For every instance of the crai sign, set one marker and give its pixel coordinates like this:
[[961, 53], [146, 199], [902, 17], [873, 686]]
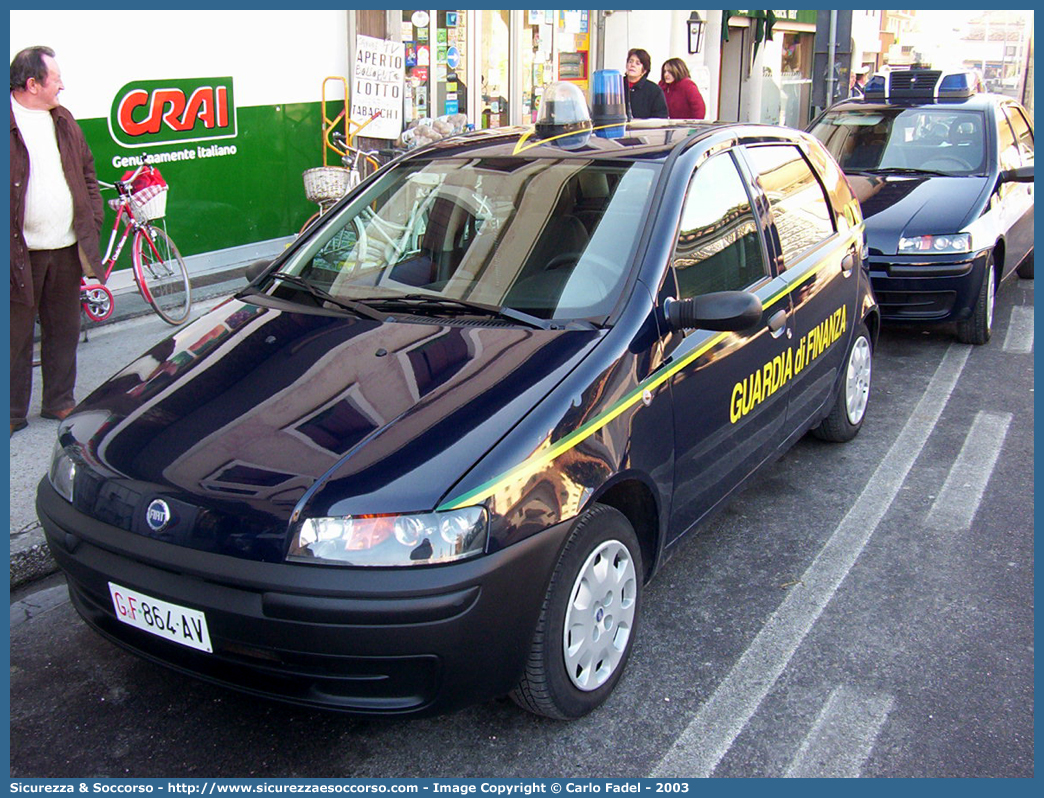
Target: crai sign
[[152, 113]]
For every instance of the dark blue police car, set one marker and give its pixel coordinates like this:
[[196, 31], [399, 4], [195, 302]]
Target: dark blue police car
[[434, 451], [944, 174]]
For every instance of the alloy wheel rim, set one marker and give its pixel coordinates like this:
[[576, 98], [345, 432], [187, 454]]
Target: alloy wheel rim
[[600, 616], [857, 381]]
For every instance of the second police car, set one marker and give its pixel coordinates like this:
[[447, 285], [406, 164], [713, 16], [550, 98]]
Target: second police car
[[435, 450], [944, 174]]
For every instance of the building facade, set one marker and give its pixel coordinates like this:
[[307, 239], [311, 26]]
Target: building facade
[[232, 105]]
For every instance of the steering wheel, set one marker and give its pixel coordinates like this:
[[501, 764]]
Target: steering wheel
[[595, 267], [946, 162], [561, 259]]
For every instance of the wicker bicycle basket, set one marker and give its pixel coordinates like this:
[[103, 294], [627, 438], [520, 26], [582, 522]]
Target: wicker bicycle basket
[[325, 183], [149, 203]]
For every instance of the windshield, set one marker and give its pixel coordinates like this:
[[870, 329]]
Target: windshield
[[551, 238], [935, 139]]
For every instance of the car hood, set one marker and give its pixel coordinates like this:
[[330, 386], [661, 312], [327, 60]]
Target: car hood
[[901, 205], [253, 412]]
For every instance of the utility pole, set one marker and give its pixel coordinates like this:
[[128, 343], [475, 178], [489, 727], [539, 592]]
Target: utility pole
[[832, 57]]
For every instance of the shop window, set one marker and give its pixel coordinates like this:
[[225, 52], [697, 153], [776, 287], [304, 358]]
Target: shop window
[[495, 67], [437, 58]]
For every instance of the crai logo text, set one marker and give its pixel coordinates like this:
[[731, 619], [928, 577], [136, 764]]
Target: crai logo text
[[158, 112]]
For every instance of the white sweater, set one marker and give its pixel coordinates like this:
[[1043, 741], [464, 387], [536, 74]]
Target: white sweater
[[48, 201]]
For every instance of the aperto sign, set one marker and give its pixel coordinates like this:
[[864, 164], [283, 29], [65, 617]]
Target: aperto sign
[[148, 113]]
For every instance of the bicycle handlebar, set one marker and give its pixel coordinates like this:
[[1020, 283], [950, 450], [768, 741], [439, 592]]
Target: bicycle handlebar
[[121, 185]]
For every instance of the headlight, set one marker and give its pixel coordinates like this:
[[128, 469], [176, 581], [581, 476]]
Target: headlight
[[961, 242], [63, 472], [391, 540]]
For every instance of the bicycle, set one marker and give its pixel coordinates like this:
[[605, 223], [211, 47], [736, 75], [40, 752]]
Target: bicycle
[[325, 185], [158, 268]]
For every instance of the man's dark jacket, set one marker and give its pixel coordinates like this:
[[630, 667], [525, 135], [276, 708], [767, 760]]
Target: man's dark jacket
[[645, 100], [88, 210]]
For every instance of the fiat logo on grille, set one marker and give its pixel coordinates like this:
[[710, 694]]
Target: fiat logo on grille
[[158, 515]]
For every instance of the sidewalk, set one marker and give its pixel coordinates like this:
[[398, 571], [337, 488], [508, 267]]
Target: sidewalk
[[133, 329]]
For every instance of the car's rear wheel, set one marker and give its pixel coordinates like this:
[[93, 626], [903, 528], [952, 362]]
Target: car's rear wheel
[[1025, 269], [588, 620], [977, 329], [846, 416]]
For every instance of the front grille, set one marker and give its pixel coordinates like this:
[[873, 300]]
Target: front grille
[[915, 305]]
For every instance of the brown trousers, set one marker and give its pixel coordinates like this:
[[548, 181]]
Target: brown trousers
[[56, 300]]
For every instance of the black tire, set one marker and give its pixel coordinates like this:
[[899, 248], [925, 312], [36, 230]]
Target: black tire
[[853, 393], [1025, 270], [162, 275], [977, 329], [556, 682]]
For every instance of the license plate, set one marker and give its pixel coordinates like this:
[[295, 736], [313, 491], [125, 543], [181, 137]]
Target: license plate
[[161, 618]]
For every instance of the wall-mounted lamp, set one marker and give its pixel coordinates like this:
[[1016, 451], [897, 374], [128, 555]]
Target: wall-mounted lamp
[[695, 32]]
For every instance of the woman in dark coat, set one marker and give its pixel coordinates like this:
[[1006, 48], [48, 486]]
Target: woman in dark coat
[[684, 100], [644, 98]]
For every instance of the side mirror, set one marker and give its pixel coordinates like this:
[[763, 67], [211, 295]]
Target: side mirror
[[1023, 174], [734, 311], [256, 269]]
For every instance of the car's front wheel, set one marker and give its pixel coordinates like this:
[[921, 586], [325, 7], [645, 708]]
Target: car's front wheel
[[1025, 269], [588, 620], [846, 416], [978, 328]]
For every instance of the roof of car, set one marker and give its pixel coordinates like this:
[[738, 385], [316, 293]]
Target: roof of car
[[643, 139], [975, 102]]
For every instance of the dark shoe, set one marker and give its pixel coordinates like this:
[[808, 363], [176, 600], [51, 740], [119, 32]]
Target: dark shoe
[[57, 415], [18, 425]]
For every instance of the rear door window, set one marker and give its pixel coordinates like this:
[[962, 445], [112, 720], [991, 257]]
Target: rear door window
[[800, 208]]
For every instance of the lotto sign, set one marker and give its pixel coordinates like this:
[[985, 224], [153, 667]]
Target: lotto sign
[[377, 86], [157, 112]]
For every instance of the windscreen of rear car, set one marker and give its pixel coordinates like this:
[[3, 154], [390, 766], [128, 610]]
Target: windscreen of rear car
[[552, 238], [932, 139]]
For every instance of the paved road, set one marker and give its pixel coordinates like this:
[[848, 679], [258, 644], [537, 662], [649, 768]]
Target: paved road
[[862, 610]]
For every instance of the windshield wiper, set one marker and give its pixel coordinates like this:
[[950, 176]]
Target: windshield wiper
[[298, 281], [905, 170], [425, 302]]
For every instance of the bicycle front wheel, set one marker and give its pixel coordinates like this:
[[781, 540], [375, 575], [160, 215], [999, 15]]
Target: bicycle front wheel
[[161, 275]]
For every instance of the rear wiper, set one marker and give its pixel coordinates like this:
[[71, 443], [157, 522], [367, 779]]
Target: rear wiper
[[345, 304], [904, 170], [422, 302]]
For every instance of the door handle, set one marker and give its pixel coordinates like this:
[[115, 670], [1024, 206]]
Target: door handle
[[848, 263], [778, 323]]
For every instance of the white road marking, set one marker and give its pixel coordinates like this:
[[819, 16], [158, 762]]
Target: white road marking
[[958, 501], [842, 737], [701, 746], [1019, 338]]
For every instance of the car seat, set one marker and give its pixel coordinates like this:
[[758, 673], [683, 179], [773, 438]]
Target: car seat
[[450, 227]]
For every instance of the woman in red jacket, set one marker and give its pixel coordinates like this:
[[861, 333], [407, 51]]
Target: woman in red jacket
[[684, 100]]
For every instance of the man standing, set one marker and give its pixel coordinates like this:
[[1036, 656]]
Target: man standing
[[56, 216], [858, 81]]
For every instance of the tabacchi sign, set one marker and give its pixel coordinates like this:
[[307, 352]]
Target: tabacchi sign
[[147, 113]]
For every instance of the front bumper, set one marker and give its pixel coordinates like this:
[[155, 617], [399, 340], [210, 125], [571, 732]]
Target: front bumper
[[933, 289], [362, 640]]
